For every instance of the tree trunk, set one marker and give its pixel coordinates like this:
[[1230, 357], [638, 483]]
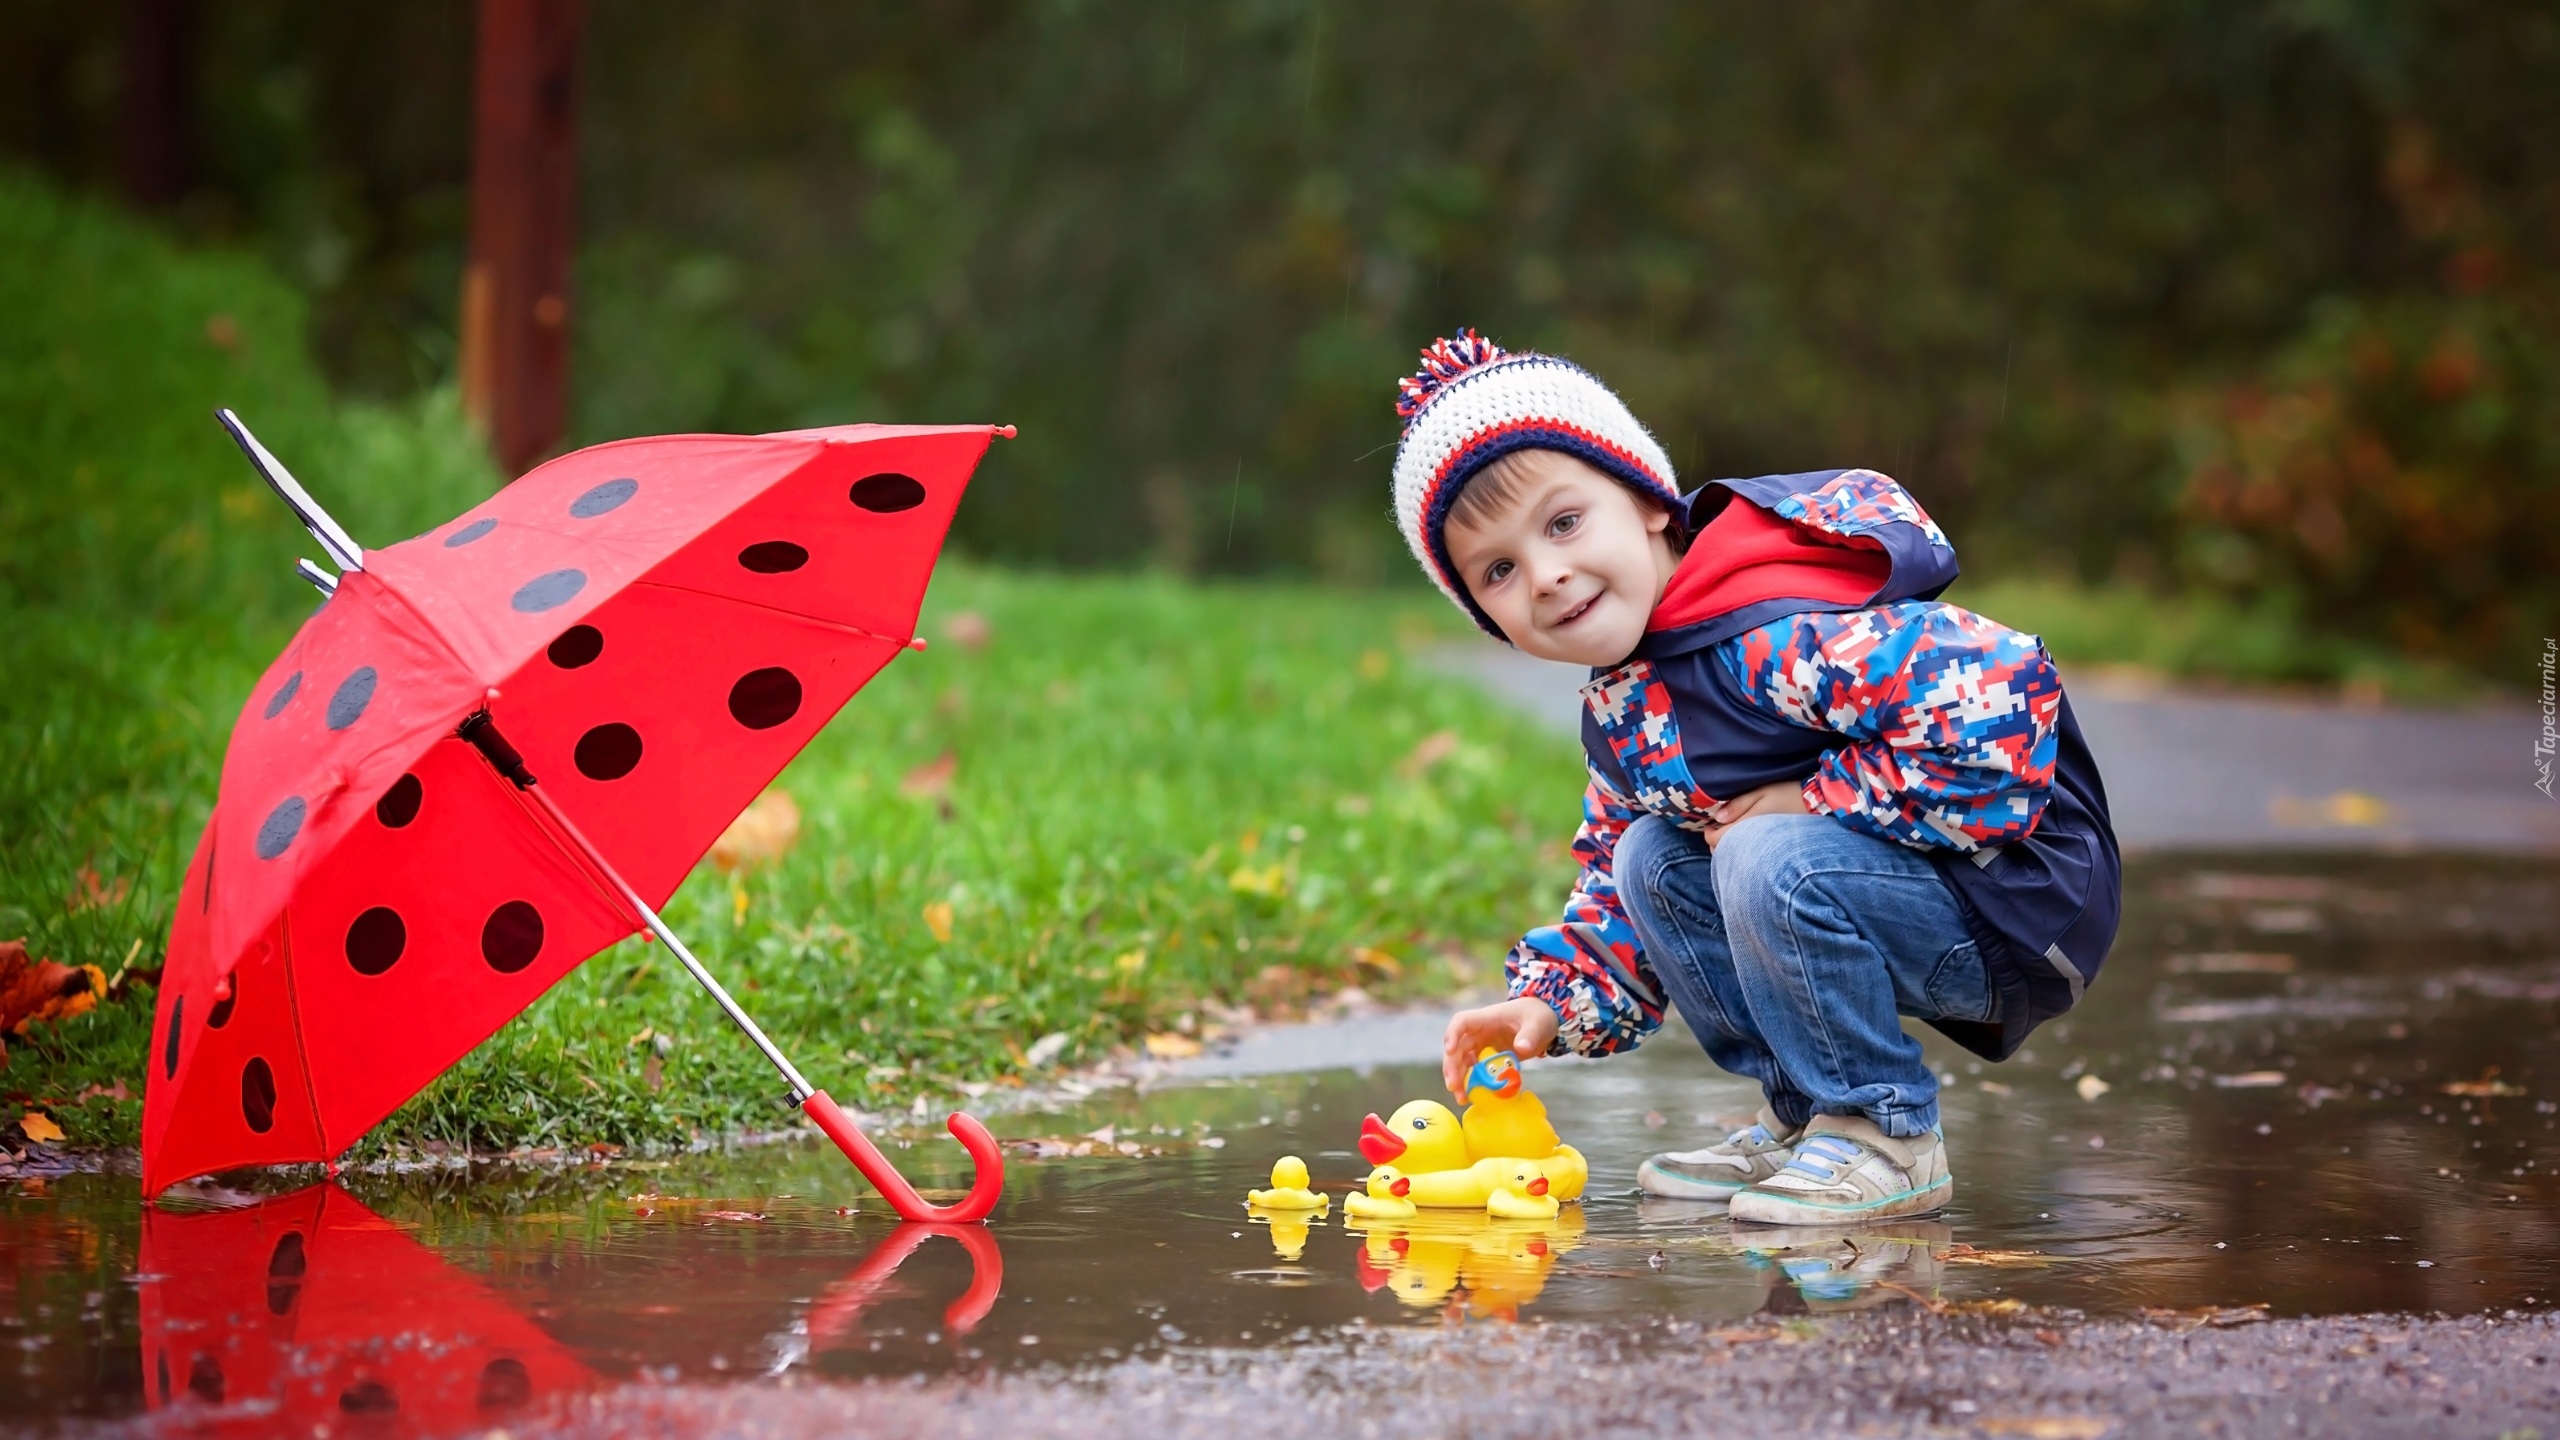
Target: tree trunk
[[524, 175]]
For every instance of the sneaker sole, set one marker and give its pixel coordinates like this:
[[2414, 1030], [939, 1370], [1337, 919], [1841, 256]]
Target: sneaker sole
[[1669, 1186], [1761, 1207]]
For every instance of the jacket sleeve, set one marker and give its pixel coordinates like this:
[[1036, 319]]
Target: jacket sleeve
[[1949, 718], [1589, 967]]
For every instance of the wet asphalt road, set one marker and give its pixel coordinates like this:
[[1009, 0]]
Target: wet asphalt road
[[1868, 1374]]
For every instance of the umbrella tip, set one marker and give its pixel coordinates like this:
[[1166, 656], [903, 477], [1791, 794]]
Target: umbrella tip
[[915, 642], [1005, 430]]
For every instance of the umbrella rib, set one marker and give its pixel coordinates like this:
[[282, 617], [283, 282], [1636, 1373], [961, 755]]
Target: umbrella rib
[[901, 641]]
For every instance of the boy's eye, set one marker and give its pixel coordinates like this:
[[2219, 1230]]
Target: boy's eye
[[1497, 572], [1563, 524]]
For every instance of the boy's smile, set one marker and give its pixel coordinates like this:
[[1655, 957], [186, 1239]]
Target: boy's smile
[[1570, 564]]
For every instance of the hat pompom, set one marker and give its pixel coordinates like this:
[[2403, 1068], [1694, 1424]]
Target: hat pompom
[[1448, 358]]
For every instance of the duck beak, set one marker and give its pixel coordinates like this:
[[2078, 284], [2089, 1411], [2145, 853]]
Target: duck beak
[[1538, 1186], [1401, 1188], [1379, 1143]]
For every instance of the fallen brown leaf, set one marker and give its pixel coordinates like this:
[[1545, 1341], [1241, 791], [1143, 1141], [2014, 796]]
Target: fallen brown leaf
[[763, 833], [2046, 1427], [1437, 746], [930, 778], [2222, 1316], [1960, 1253], [2488, 1086], [968, 629], [33, 990], [94, 894], [937, 918], [39, 1128], [1169, 1046]]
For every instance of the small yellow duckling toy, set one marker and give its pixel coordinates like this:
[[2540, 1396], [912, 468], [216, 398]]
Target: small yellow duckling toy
[[1384, 1199], [1503, 1118], [1522, 1195], [1288, 1189]]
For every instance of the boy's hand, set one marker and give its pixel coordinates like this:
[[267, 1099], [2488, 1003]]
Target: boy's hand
[[1786, 797], [1525, 1027]]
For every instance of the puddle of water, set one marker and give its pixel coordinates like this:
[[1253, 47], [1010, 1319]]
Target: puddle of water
[[2312, 1089]]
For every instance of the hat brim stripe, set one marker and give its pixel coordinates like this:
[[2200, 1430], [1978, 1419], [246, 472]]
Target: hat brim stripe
[[1487, 446]]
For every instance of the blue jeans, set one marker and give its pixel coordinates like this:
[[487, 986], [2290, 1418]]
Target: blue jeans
[[1792, 948]]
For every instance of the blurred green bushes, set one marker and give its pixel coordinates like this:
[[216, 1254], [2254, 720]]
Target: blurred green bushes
[[2256, 299], [144, 575]]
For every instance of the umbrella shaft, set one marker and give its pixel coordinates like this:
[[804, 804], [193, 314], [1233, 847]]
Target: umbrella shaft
[[801, 1089]]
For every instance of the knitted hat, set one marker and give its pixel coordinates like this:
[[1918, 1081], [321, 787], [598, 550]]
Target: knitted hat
[[1472, 403]]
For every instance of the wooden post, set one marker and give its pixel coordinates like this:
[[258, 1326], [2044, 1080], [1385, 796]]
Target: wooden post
[[524, 178], [158, 100]]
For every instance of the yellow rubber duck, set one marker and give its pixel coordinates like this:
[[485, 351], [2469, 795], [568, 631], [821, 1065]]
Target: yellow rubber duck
[[1503, 1117], [1288, 1189], [1522, 1195], [1384, 1199], [1425, 1141]]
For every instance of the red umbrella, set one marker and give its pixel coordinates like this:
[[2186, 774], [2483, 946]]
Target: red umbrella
[[309, 1310], [499, 746]]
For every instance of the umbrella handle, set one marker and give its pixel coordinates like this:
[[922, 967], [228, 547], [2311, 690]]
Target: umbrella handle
[[893, 1187]]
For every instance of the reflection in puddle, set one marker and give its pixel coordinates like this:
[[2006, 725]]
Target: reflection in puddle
[[2329, 1089], [311, 1308]]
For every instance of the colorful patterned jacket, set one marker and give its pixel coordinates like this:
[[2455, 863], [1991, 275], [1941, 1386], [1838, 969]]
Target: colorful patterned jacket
[[1905, 718]]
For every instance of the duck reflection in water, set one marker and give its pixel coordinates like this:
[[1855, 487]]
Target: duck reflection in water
[[1430, 1259]]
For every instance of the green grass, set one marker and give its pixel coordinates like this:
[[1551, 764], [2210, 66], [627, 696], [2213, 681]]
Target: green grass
[[1160, 790]]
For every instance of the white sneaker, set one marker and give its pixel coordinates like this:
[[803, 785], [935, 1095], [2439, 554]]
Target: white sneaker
[[1722, 1170], [1844, 1171]]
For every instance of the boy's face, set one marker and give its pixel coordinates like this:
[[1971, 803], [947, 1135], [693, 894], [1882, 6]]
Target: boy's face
[[1572, 566]]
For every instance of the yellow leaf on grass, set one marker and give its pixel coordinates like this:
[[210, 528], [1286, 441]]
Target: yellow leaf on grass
[[39, 1127], [1169, 1046], [937, 918]]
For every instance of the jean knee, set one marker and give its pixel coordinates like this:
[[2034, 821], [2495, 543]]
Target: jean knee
[[1645, 856]]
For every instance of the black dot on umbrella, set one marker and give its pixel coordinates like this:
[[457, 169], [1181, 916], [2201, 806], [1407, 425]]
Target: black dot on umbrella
[[578, 645], [169, 1051], [773, 557], [608, 751], [505, 1384], [607, 496], [548, 591], [281, 825], [204, 906], [888, 494], [368, 1397], [469, 533], [285, 692], [399, 804], [220, 1014], [765, 698], [285, 1269], [375, 941], [512, 937], [347, 702], [290, 1261], [258, 1095], [204, 1379]]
